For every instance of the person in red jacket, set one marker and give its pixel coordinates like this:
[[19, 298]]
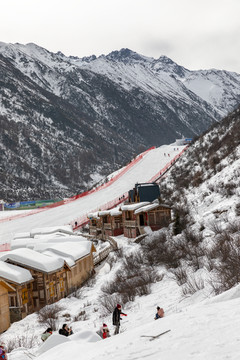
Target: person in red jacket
[[117, 317], [103, 332], [3, 352]]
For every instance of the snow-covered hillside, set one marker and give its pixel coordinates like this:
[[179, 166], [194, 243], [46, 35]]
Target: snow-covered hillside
[[87, 117], [142, 171]]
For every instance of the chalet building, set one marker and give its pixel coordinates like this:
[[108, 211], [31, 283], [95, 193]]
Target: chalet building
[[95, 224], [49, 275], [4, 305], [144, 192], [130, 224], [16, 299], [154, 215], [78, 256], [111, 223]]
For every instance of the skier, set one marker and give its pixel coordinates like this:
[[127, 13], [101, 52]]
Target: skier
[[103, 332], [65, 330], [116, 318], [159, 314], [46, 334]]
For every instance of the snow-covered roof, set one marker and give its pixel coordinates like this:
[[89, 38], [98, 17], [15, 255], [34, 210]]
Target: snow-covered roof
[[93, 215], [22, 235], [55, 234], [103, 212], [33, 243], [15, 274], [133, 206], [73, 250], [150, 207], [21, 243], [113, 212], [68, 259], [67, 229], [34, 260]]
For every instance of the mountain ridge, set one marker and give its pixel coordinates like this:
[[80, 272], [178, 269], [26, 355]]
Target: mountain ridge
[[82, 118]]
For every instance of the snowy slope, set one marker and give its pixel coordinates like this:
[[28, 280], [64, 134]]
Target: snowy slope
[[68, 122], [201, 328], [143, 171]]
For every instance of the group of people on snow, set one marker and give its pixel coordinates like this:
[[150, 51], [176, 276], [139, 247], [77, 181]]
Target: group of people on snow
[[65, 331], [103, 332]]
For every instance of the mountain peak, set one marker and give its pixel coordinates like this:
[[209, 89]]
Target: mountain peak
[[126, 54]]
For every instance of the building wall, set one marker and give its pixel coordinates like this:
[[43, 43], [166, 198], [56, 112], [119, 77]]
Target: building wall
[[80, 272], [4, 309]]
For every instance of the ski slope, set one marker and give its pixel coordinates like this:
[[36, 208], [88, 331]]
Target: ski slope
[[150, 164]]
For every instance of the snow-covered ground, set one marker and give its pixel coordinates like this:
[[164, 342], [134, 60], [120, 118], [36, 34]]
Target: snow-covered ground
[[143, 171], [201, 327]]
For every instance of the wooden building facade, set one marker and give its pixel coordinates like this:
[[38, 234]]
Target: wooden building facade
[[111, 223], [154, 215], [130, 224], [4, 305]]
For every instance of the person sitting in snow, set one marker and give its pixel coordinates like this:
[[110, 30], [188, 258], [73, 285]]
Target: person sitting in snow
[[103, 332], [65, 330], [159, 314], [3, 352], [46, 334], [116, 318]]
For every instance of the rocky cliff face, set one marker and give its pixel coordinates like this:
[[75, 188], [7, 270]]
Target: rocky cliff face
[[66, 122]]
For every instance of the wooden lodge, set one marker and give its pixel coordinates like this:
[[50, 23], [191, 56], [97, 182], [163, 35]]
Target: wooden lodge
[[111, 223], [49, 276], [4, 305], [130, 224], [136, 216], [30, 279], [154, 215], [16, 299], [79, 258], [95, 224]]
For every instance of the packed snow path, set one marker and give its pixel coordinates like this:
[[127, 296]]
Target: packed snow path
[[142, 171]]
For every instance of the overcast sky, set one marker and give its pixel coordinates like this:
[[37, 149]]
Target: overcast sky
[[198, 34]]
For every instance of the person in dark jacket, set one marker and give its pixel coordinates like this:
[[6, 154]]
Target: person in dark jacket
[[65, 330], [117, 317]]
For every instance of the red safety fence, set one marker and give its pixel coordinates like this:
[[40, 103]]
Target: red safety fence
[[114, 178], [67, 201], [5, 247], [31, 212], [167, 166], [83, 220]]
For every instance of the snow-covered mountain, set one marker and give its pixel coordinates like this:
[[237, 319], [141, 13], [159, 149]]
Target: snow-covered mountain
[[202, 260], [66, 121]]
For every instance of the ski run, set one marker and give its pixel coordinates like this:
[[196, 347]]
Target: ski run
[[200, 327]]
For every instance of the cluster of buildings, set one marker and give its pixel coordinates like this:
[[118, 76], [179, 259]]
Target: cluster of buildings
[[142, 211], [48, 264], [43, 267]]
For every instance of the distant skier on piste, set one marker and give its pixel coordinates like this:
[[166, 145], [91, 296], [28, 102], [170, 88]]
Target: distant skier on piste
[[117, 317]]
